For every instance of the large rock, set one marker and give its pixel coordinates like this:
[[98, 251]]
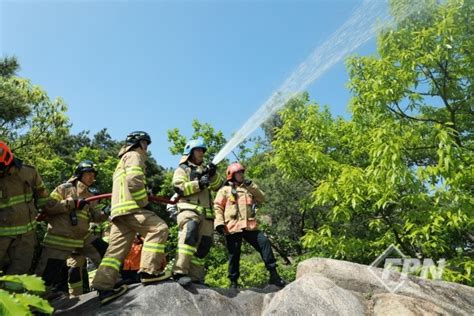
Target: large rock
[[322, 287], [314, 295], [169, 298], [450, 297]]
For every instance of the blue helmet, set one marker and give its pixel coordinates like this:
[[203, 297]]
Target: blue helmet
[[194, 143]]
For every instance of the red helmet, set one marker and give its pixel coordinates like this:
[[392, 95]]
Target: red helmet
[[233, 168], [6, 155]]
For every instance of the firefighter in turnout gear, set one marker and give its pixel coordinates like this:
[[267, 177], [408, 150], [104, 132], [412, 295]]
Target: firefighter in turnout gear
[[235, 206], [22, 193], [193, 182], [130, 215], [67, 235]]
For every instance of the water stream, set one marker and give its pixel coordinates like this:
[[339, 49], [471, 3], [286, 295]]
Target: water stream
[[366, 21]]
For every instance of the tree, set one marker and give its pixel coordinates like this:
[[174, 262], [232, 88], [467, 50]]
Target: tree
[[401, 170], [29, 121]]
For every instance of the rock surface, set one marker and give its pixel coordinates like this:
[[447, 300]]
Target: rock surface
[[322, 287]]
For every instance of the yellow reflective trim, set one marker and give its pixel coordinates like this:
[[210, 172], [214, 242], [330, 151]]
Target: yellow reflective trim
[[154, 247], [112, 263], [187, 247], [134, 170], [56, 196], [189, 188], [214, 182], [139, 195], [63, 241], [42, 201], [186, 252], [147, 249], [119, 174], [197, 261], [17, 230], [123, 207], [23, 198], [83, 216]]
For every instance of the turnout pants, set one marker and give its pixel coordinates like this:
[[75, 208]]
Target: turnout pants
[[52, 260], [194, 243], [258, 240], [122, 233], [94, 249], [18, 252]]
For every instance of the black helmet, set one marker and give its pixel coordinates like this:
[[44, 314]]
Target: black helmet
[[135, 137], [85, 166]]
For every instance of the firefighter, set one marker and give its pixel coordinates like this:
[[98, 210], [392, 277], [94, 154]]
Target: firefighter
[[130, 214], [235, 205], [67, 234], [193, 181], [22, 192]]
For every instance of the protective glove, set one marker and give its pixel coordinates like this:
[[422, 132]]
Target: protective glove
[[172, 210], [80, 204], [204, 181], [220, 229], [247, 182], [212, 169]]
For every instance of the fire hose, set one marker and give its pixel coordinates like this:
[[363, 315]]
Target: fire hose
[[153, 198]]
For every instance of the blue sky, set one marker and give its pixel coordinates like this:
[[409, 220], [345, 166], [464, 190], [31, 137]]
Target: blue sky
[[157, 65]]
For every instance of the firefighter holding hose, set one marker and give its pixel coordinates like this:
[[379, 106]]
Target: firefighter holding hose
[[67, 234], [192, 181], [130, 214]]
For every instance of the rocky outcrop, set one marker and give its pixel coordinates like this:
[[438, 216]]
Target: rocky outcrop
[[322, 287]]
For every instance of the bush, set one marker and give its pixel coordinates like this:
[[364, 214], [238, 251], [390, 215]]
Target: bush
[[18, 295]]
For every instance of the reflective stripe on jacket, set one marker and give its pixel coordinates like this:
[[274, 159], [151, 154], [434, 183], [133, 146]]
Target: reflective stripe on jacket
[[129, 183], [186, 182], [235, 210], [61, 234], [22, 193]]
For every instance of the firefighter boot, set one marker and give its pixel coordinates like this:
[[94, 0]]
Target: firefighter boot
[[275, 278], [182, 279], [234, 285], [147, 278], [106, 296]]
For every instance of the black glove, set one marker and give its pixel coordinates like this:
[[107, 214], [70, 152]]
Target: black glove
[[212, 169], [247, 182], [220, 229], [148, 207], [204, 181], [80, 203]]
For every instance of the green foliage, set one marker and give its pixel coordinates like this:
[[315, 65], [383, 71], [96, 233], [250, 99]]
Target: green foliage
[[213, 139], [401, 170], [18, 295], [252, 274]]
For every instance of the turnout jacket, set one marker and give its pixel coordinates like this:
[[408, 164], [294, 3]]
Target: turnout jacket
[[235, 209], [22, 193], [129, 192], [186, 184], [61, 233]]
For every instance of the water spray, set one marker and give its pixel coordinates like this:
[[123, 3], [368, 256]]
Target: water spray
[[366, 21]]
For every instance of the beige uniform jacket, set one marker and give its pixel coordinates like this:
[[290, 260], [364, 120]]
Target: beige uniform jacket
[[61, 233], [129, 192], [22, 193], [234, 211], [186, 183]]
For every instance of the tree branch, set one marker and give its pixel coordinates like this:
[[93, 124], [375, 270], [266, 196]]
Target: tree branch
[[404, 115]]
